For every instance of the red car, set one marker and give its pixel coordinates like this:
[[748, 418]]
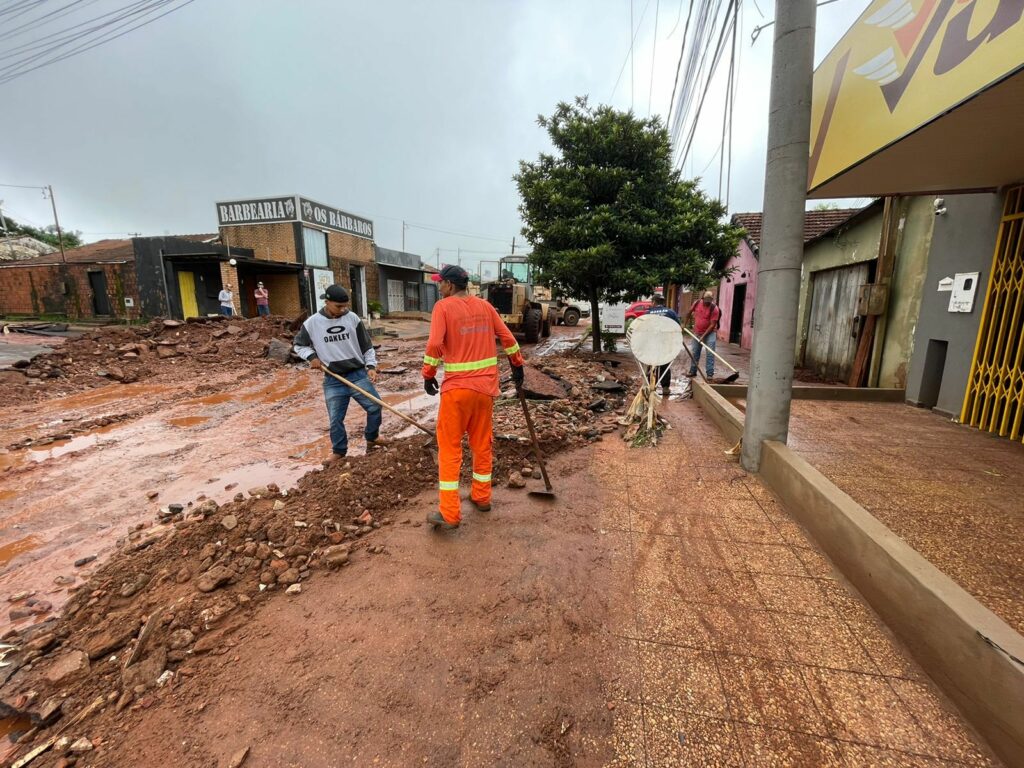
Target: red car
[[638, 308]]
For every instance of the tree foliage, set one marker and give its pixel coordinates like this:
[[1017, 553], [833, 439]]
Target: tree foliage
[[46, 234], [609, 218]]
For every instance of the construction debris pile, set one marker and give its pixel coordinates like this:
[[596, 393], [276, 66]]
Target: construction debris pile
[[139, 632], [192, 348]]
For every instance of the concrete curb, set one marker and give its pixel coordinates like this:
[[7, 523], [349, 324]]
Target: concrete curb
[[965, 647], [837, 394]]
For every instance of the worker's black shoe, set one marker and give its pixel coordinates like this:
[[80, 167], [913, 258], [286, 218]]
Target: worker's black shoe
[[436, 520], [481, 506]]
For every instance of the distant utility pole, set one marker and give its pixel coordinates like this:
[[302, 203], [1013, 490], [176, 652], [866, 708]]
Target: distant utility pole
[[513, 246], [782, 241], [403, 235], [60, 235], [460, 257]]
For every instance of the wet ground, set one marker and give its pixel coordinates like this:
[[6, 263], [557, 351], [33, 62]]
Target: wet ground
[[664, 611], [742, 645], [73, 498], [955, 494]]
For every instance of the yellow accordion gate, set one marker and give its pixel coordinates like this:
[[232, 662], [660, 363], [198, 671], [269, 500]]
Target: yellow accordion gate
[[994, 400]]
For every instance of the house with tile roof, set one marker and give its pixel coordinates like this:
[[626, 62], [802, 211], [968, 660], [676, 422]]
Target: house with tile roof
[[737, 291], [841, 249]]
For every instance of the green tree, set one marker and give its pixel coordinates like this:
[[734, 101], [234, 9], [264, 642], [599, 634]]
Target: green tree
[[607, 216], [46, 234]]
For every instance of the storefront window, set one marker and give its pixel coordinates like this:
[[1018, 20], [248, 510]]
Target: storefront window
[[315, 244]]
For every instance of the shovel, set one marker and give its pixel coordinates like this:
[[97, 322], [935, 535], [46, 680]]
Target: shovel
[[432, 447], [548, 493], [732, 376]]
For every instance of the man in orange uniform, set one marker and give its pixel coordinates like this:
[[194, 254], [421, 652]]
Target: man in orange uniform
[[462, 331]]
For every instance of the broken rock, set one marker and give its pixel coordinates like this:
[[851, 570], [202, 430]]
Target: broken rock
[[279, 350], [81, 745], [216, 577], [67, 666], [179, 639], [515, 480], [229, 522]]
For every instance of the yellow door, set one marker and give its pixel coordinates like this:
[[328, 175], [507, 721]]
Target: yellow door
[[187, 288]]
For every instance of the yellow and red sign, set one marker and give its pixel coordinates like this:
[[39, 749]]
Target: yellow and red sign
[[904, 63]]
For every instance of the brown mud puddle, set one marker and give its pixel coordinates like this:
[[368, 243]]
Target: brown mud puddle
[[75, 498]]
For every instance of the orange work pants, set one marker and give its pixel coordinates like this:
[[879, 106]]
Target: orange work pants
[[463, 411]]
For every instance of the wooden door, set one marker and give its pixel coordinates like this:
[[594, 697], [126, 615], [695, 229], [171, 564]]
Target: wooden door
[[832, 327], [100, 300], [187, 289]]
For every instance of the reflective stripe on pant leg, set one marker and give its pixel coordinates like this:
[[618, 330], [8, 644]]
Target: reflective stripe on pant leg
[[480, 442], [451, 425]]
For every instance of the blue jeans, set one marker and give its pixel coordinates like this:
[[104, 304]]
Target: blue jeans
[[226, 311], [263, 309], [696, 349], [338, 395]]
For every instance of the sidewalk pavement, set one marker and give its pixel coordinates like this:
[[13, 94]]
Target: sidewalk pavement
[[739, 645], [951, 492]]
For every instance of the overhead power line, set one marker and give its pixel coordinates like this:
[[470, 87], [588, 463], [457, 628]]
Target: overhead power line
[[80, 38]]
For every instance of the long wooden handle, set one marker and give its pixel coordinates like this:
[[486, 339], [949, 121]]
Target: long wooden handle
[[709, 349], [377, 400], [533, 438]]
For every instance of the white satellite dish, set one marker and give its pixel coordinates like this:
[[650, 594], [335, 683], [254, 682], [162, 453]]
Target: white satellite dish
[[655, 339]]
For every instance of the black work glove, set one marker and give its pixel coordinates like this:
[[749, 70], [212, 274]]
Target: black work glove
[[518, 374], [431, 387]]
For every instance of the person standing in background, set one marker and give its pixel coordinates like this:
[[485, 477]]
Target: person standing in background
[[705, 314], [227, 301], [262, 300]]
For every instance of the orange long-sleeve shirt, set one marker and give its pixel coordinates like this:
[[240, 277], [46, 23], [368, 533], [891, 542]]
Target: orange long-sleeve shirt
[[462, 332]]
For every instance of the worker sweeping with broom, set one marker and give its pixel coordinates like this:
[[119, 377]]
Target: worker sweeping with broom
[[462, 333]]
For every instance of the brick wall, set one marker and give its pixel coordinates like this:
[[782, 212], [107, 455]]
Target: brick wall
[[284, 294], [344, 251], [64, 289], [270, 242]]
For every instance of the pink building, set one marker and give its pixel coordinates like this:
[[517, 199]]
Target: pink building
[[736, 292]]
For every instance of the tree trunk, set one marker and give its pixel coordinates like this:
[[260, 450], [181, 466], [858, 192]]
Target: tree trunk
[[595, 321]]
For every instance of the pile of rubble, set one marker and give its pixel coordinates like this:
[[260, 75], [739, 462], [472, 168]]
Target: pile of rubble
[[178, 588], [194, 347]]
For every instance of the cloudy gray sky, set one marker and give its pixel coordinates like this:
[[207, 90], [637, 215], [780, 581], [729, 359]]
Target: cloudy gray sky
[[392, 109]]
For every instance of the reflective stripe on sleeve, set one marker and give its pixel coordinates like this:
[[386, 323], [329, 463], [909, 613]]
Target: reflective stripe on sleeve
[[475, 365], [512, 350], [434, 361]]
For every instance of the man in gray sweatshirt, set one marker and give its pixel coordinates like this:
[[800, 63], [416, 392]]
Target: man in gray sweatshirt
[[335, 338]]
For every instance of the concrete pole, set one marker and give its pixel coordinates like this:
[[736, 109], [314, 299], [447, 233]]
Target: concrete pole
[[782, 230]]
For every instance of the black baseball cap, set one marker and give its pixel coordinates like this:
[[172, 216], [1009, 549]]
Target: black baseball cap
[[453, 274], [335, 293]]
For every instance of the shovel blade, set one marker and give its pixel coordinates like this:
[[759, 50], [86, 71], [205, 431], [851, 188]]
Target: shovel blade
[[546, 495], [731, 377]]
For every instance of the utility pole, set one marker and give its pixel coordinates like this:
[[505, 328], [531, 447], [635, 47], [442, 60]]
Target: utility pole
[[460, 257], [782, 231], [403, 235], [513, 245], [60, 236]]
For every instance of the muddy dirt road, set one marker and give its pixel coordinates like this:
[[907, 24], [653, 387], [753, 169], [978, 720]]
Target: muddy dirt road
[[488, 647], [188, 440]]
